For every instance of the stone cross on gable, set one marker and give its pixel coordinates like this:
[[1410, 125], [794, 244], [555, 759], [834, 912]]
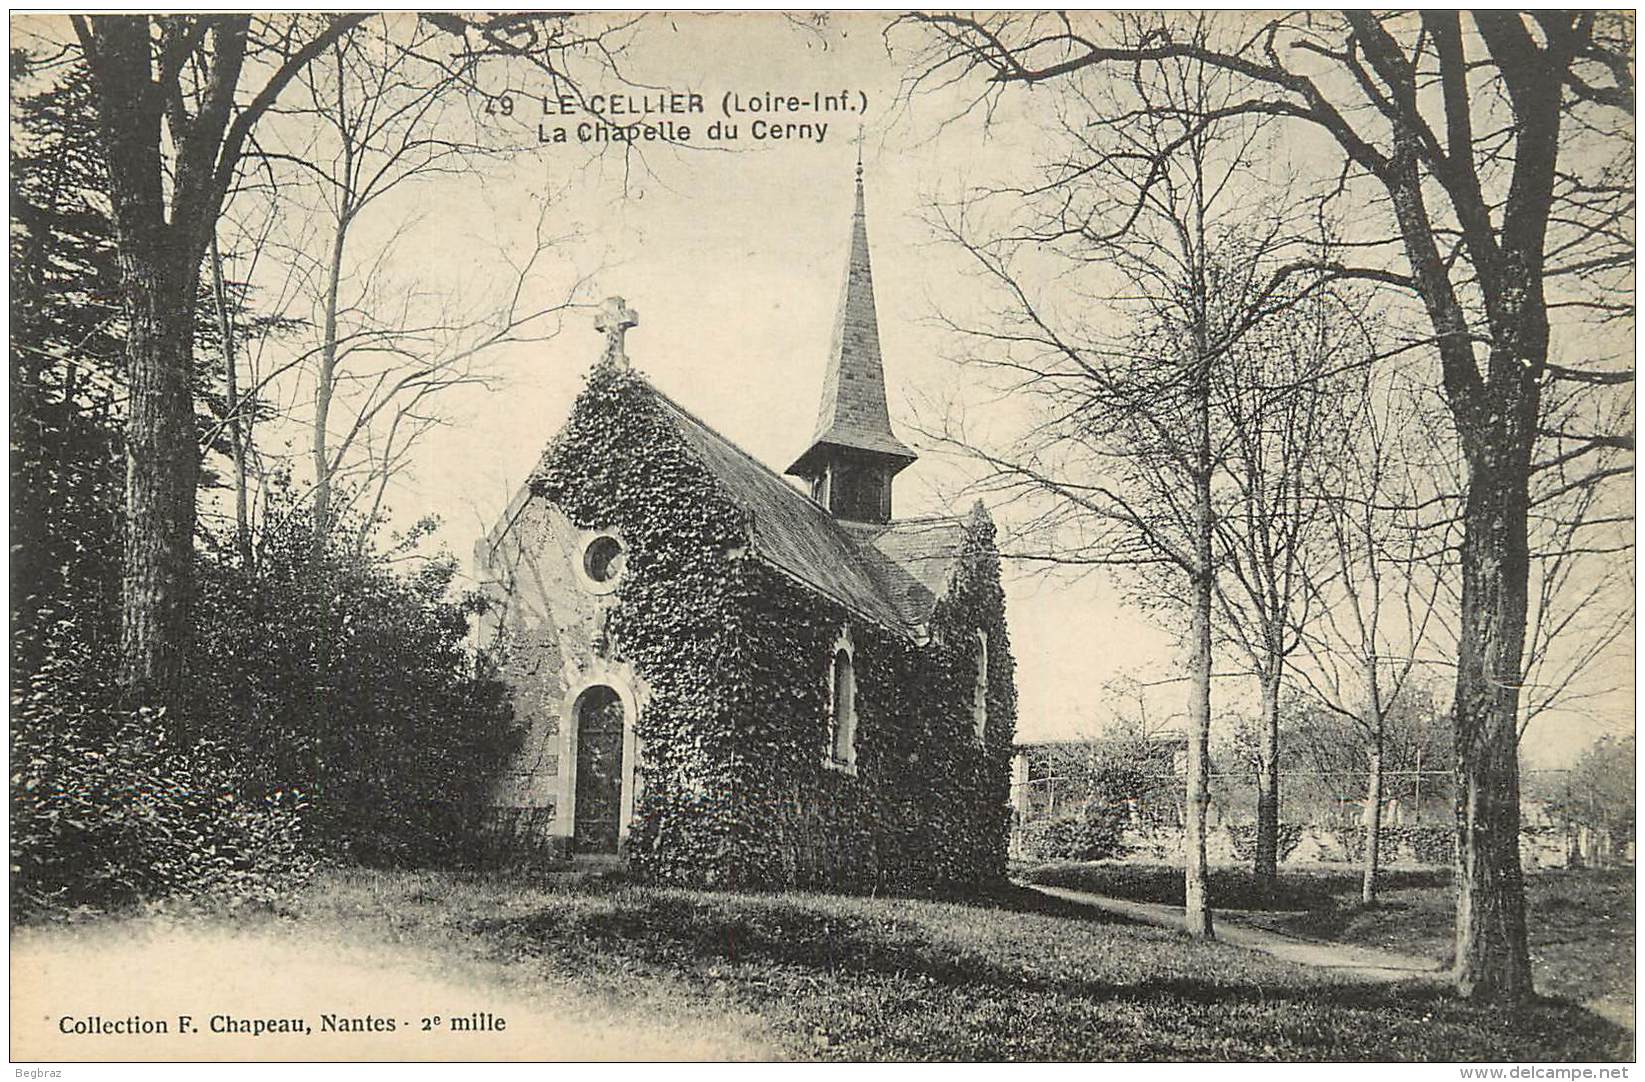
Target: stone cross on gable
[[614, 318]]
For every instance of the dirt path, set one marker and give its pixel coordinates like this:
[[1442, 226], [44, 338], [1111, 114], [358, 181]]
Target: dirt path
[[158, 972], [1359, 963]]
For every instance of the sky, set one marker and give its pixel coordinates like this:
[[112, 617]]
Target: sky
[[732, 255]]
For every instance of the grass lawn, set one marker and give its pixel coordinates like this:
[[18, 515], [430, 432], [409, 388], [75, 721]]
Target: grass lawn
[[1010, 976], [1581, 921]]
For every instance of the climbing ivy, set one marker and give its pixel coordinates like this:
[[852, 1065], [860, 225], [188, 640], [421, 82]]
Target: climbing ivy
[[733, 735]]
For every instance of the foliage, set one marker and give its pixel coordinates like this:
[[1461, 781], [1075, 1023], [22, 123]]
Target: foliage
[[108, 806], [350, 681], [67, 456], [68, 375], [1233, 888], [1093, 834], [1244, 839], [334, 714], [107, 811], [1117, 775], [1429, 843], [113, 807], [1598, 792], [345, 683], [735, 660]]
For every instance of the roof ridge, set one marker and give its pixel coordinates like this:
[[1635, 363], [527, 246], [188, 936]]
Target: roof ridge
[[921, 519]]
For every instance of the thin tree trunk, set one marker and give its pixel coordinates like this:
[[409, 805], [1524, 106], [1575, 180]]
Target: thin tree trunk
[[1196, 899], [1492, 956], [324, 387], [1267, 848], [1373, 824], [1374, 725], [325, 379], [231, 380]]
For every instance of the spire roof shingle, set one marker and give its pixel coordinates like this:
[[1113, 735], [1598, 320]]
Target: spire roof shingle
[[853, 412]]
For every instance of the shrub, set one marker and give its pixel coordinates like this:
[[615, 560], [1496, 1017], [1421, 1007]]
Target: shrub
[[1430, 843], [332, 714], [106, 813], [341, 677], [1093, 834], [1243, 836]]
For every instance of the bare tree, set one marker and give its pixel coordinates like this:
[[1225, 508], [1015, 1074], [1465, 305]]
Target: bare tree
[[368, 123], [1581, 595], [1381, 580], [1498, 151], [1121, 465], [178, 97], [1276, 416]]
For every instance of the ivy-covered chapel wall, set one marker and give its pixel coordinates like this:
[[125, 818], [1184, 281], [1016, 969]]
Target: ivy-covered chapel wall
[[733, 735], [927, 803]]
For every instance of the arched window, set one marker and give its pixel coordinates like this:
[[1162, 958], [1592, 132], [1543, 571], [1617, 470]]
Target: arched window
[[842, 707], [979, 690]]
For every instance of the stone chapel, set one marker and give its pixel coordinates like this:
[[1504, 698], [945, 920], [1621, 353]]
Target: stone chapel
[[722, 675]]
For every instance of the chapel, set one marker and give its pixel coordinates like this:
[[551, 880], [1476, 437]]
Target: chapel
[[725, 674]]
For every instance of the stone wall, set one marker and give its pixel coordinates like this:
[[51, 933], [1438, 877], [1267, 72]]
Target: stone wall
[[1539, 847], [541, 631]]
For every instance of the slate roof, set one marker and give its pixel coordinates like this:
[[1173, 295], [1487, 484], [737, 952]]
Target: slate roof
[[891, 573], [853, 411], [914, 559]]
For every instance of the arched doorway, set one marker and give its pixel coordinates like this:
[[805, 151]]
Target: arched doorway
[[598, 801]]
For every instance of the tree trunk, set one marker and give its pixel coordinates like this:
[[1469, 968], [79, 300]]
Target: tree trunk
[[159, 270], [325, 386], [1492, 957], [162, 466], [1266, 864], [1195, 896], [1373, 824], [1196, 899], [231, 381]]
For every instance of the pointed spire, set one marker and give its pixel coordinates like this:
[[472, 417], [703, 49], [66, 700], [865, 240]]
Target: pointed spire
[[852, 415]]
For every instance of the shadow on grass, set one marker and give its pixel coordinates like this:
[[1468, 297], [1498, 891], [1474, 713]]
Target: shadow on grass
[[1001, 895], [800, 948], [689, 930], [1013, 898]]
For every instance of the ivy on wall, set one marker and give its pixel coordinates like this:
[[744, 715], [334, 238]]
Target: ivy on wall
[[736, 656]]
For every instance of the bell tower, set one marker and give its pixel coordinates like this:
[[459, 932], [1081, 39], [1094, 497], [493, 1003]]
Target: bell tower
[[854, 454]]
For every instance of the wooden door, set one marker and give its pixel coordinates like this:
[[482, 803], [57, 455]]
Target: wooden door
[[599, 797]]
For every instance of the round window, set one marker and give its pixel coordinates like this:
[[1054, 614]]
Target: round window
[[603, 559]]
